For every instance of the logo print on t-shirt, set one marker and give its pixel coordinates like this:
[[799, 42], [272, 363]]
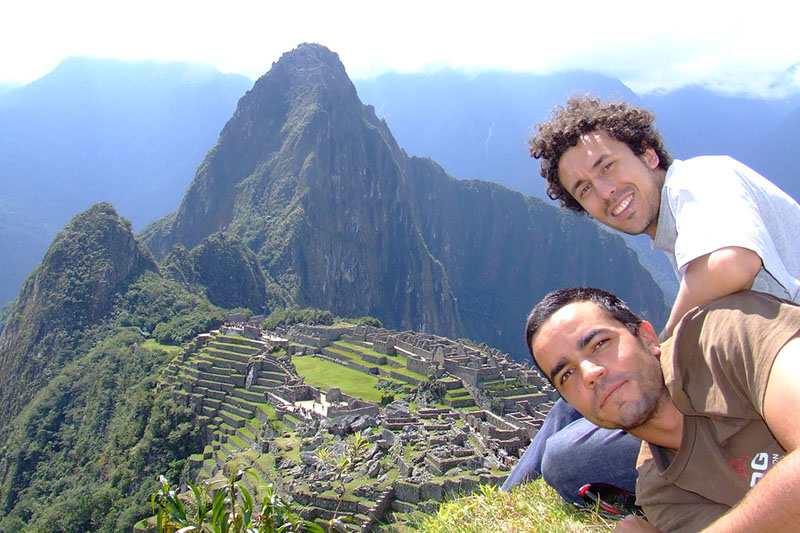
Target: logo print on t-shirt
[[739, 465]]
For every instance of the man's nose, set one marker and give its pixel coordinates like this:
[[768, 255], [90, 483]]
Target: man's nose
[[605, 187], [591, 372]]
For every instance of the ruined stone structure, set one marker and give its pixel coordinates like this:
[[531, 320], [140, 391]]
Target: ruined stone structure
[[517, 388], [414, 459]]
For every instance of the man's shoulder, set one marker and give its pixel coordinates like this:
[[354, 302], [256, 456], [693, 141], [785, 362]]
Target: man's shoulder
[[719, 318], [745, 302], [702, 169], [720, 353]]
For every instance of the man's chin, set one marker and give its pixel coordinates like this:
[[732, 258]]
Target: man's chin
[[607, 424]]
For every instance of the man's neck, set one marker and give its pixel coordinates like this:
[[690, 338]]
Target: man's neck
[[664, 429], [661, 177]]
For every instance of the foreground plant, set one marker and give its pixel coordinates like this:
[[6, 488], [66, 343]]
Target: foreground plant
[[225, 508]]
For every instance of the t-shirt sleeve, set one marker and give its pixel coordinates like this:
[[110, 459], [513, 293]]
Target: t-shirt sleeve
[[713, 208], [670, 508], [728, 370]]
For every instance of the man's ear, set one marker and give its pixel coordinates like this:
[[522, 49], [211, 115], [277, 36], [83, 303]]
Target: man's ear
[[648, 335], [650, 157]]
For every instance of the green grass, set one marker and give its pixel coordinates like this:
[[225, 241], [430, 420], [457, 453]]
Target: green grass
[[343, 353], [406, 372], [324, 375], [172, 351], [361, 349], [457, 394], [530, 507], [294, 441]]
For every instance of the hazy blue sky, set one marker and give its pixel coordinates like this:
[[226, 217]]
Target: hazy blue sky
[[736, 46]]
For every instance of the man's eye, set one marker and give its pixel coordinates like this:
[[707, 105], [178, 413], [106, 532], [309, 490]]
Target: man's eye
[[585, 189], [607, 167], [599, 344], [565, 376]]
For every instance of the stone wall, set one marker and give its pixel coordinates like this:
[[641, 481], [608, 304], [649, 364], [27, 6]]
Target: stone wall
[[368, 410], [510, 404], [519, 391], [373, 359], [403, 377], [328, 333], [440, 466], [384, 346], [417, 365], [296, 393], [311, 341], [411, 348], [413, 492]]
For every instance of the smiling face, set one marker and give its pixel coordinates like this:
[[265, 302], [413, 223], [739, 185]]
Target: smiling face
[[614, 185], [609, 375]]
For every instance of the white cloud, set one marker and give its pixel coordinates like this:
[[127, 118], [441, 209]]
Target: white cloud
[[733, 46]]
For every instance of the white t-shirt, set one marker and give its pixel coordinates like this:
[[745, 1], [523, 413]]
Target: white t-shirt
[[713, 202]]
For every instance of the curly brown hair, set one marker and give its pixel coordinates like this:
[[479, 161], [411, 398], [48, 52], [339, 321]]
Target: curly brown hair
[[584, 114]]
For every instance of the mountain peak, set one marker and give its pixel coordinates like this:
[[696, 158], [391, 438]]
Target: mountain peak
[[291, 113], [310, 55], [69, 293], [308, 74]]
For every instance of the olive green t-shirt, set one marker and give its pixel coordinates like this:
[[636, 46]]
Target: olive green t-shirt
[[716, 368]]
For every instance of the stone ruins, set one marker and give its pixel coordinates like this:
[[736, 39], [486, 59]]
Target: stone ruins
[[480, 411]]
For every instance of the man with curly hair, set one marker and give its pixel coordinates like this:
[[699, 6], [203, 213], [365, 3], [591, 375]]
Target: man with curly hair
[[723, 226]]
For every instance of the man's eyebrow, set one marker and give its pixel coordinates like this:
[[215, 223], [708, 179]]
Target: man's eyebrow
[[582, 342], [560, 364], [600, 160], [586, 339], [596, 164]]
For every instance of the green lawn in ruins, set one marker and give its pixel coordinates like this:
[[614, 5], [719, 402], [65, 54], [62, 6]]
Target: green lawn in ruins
[[324, 375], [171, 350], [361, 349]]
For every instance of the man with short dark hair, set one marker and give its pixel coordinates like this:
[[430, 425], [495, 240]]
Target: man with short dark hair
[[723, 226], [716, 405]]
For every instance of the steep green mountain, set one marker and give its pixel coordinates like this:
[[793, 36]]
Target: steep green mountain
[[503, 252], [83, 430], [68, 295], [225, 268], [342, 219], [101, 130]]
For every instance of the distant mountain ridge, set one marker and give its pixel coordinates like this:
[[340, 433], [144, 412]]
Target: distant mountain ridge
[[92, 130], [478, 125], [342, 219]]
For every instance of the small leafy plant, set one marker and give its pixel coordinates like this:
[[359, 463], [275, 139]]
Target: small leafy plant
[[342, 465], [225, 508]]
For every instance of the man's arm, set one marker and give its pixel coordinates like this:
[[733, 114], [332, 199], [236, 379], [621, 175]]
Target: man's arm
[[712, 276], [773, 504]]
